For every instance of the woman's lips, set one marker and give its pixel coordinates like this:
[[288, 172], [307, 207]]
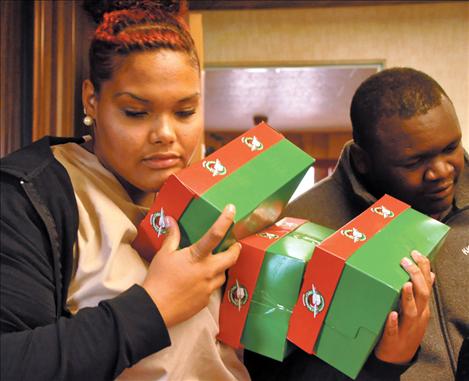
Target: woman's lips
[[162, 161]]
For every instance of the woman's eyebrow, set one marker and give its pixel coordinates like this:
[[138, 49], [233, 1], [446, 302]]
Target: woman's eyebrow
[[189, 98], [132, 96]]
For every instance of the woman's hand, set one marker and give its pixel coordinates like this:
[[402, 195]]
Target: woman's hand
[[403, 334], [180, 282]]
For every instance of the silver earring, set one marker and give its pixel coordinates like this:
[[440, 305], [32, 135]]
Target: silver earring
[[87, 120]]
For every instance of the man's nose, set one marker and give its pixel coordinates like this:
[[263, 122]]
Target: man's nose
[[439, 169]]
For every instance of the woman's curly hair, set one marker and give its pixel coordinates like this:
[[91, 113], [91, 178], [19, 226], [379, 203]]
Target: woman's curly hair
[[125, 26]]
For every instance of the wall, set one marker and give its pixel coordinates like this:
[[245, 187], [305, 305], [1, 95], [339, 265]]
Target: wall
[[433, 38]]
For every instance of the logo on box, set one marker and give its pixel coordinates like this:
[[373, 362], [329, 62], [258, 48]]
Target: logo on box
[[268, 235], [238, 295], [313, 301], [158, 222], [383, 211], [215, 167], [354, 234], [252, 143]]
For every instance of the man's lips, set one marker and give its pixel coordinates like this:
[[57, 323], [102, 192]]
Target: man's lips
[[440, 192], [162, 160]]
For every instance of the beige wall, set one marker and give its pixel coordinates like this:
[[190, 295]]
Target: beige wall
[[433, 38]]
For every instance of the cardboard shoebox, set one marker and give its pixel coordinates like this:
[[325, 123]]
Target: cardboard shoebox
[[354, 279], [263, 286], [257, 172]]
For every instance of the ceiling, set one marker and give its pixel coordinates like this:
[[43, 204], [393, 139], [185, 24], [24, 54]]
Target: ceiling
[[262, 4], [293, 98]]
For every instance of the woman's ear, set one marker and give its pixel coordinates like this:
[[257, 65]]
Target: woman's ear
[[360, 159], [88, 97]]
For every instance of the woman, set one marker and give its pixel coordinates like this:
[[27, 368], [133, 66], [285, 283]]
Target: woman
[[77, 301]]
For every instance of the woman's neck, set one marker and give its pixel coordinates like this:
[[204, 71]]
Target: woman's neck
[[138, 196]]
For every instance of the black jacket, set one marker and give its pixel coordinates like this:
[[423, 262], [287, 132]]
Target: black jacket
[[40, 340]]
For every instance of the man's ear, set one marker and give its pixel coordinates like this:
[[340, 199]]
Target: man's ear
[[360, 159], [88, 97]]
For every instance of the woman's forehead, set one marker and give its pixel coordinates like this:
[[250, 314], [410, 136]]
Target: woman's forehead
[[152, 73]]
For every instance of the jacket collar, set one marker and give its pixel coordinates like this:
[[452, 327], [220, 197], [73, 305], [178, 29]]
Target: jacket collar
[[345, 173], [28, 161]]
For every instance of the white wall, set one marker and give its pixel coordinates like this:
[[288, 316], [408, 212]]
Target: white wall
[[433, 38]]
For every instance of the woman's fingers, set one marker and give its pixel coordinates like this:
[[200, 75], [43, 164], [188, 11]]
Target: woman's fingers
[[214, 235], [172, 238], [224, 260]]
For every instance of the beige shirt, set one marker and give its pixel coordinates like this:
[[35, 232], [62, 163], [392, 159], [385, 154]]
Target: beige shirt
[[106, 265]]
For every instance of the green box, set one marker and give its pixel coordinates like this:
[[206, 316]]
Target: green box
[[257, 172], [363, 283], [270, 272]]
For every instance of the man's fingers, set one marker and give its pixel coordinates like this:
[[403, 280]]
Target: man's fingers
[[391, 328], [409, 311], [420, 287], [424, 265], [172, 238], [215, 234]]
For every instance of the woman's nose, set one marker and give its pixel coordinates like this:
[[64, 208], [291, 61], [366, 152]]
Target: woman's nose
[[163, 131]]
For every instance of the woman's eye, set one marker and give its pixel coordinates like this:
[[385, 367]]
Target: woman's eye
[[186, 113], [135, 114]]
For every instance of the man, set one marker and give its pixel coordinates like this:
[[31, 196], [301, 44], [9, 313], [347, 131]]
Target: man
[[406, 143]]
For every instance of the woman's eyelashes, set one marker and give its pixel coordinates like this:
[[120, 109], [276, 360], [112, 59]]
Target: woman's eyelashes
[[135, 114], [186, 113], [180, 114]]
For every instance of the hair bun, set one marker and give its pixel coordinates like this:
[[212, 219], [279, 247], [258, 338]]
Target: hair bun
[[97, 8]]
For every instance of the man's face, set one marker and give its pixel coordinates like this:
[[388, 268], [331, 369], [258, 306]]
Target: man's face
[[418, 160]]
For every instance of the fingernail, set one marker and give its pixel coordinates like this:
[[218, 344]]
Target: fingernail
[[240, 246], [406, 262], [415, 253], [230, 208], [167, 222]]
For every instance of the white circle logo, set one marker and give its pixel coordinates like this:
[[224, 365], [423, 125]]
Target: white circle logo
[[215, 167], [268, 235], [253, 143], [238, 295], [383, 211], [313, 301], [158, 223], [354, 234]]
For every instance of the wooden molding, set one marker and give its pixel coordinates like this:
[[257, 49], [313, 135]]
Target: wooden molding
[[54, 68], [10, 90], [196, 30]]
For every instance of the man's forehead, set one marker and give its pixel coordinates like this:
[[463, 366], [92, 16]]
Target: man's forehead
[[419, 134]]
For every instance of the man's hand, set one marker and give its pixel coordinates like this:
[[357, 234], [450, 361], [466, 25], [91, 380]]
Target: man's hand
[[180, 282], [404, 332]]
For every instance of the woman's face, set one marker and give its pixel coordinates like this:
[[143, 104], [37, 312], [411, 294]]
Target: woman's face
[[148, 118]]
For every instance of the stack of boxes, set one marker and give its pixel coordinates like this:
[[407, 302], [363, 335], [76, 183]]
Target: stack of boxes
[[327, 292]]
